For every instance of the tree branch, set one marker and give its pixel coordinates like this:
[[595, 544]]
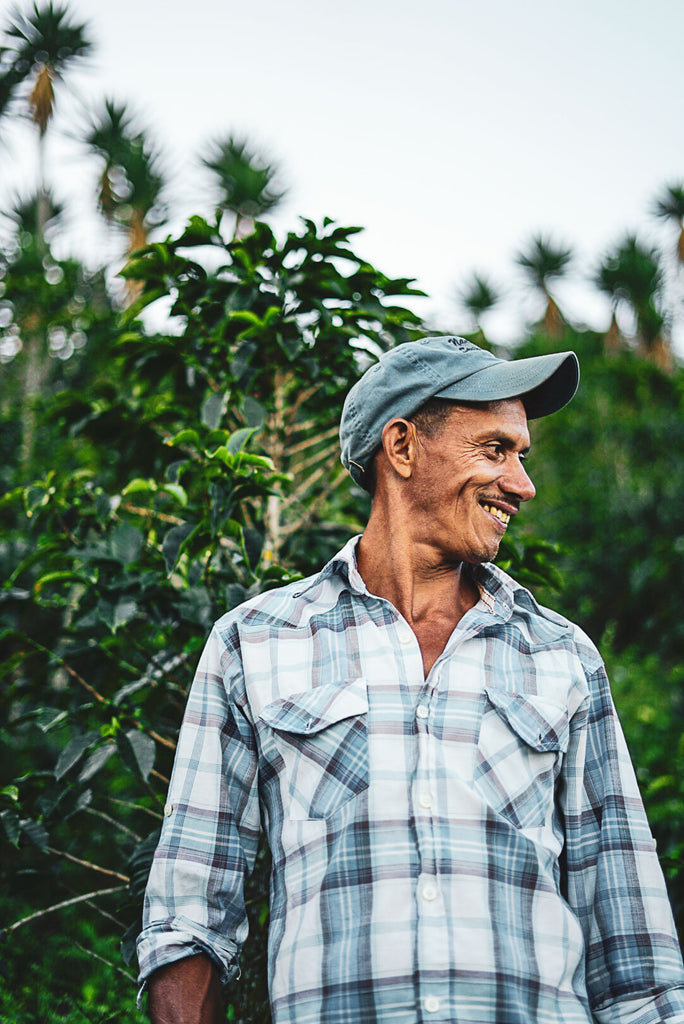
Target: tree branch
[[61, 906], [87, 864], [113, 821]]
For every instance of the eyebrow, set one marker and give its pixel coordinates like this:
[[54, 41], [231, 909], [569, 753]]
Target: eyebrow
[[505, 439]]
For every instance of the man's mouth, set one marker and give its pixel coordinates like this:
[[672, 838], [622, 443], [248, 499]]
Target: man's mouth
[[498, 513]]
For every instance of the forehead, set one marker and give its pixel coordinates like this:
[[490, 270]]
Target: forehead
[[489, 420]]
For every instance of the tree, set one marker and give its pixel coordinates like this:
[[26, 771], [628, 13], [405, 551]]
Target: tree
[[43, 45], [631, 274], [543, 262], [120, 568], [478, 296], [246, 183], [131, 184], [52, 315], [669, 206], [607, 471]]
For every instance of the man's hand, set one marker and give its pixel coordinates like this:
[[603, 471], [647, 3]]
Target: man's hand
[[186, 992]]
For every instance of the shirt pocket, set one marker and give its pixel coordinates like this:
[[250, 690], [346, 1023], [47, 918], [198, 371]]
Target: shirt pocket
[[322, 738], [519, 754]]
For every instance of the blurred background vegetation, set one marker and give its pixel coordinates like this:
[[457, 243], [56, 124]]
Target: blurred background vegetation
[[156, 468]]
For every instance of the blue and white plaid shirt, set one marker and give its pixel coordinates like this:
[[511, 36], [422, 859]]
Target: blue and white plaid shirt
[[468, 847]]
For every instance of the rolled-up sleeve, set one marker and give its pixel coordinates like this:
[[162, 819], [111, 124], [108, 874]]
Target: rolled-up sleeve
[[194, 900], [615, 885]]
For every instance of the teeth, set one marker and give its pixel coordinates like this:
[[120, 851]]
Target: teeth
[[499, 513]]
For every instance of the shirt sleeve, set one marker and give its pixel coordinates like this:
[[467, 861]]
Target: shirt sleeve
[[615, 885], [194, 900]]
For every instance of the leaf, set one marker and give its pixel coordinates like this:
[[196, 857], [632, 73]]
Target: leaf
[[35, 832], [173, 542], [291, 346], [73, 752], [185, 437], [254, 411], [195, 605], [177, 492], [12, 792], [130, 937], [138, 485], [123, 613], [129, 689], [197, 232], [146, 299], [126, 543], [235, 595], [12, 826], [137, 751], [254, 542], [75, 803], [239, 439], [212, 410], [138, 867], [97, 759]]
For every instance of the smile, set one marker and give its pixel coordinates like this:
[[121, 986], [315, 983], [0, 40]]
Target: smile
[[498, 513]]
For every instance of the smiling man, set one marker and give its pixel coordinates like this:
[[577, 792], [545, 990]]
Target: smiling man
[[434, 758]]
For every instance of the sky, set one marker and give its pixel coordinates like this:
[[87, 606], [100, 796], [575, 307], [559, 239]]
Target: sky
[[450, 131]]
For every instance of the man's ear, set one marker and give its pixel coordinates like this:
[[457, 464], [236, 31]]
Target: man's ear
[[399, 443]]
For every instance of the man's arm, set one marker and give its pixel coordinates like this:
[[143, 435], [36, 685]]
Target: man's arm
[[194, 901], [186, 992], [614, 882]]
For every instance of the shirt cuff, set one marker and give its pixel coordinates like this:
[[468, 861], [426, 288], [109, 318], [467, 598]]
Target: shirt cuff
[[165, 942]]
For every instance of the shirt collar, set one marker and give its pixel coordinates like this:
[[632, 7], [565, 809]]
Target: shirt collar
[[497, 588]]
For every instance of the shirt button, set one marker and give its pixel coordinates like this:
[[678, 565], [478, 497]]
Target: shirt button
[[168, 810], [406, 636], [425, 800], [429, 892], [422, 711], [432, 1004]]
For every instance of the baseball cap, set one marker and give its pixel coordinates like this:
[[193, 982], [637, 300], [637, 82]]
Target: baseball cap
[[407, 376]]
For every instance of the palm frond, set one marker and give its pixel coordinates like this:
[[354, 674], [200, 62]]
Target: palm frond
[[478, 296], [543, 261], [246, 181], [669, 205]]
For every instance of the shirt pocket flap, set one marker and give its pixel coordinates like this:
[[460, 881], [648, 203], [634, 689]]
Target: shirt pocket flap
[[310, 712], [542, 724]]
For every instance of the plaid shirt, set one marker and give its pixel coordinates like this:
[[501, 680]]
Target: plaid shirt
[[468, 847]]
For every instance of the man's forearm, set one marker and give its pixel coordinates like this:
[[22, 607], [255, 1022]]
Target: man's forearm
[[186, 992]]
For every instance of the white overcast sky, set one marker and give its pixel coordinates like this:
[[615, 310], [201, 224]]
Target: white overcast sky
[[450, 130]]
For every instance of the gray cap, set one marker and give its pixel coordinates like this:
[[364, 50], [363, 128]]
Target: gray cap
[[407, 376]]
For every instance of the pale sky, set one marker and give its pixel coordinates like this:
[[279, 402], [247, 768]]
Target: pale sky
[[450, 130]]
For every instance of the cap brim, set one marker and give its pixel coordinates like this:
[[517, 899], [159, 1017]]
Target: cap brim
[[544, 384]]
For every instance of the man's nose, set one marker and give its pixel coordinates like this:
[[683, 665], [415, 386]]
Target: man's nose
[[516, 481]]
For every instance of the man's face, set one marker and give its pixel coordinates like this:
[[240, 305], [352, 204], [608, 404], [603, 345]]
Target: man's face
[[469, 481]]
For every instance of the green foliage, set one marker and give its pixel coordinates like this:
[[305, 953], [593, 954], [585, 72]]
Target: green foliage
[[608, 471], [184, 483]]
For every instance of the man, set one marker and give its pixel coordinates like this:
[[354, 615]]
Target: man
[[435, 760]]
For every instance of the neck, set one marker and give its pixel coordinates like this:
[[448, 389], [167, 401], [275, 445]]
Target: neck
[[406, 572]]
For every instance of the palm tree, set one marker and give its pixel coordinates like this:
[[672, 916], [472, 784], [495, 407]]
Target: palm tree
[[543, 261], [631, 274], [132, 182], [27, 277], [245, 181], [669, 206], [42, 46], [478, 296]]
